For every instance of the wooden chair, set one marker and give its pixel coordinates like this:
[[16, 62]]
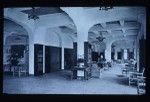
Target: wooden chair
[[20, 69], [125, 70], [141, 85], [133, 76]]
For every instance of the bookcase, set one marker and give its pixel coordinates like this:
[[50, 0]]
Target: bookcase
[[89, 55], [38, 59]]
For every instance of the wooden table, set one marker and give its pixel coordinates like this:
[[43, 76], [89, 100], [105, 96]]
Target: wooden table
[[78, 69]]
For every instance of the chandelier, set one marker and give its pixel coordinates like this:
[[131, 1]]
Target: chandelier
[[33, 14], [100, 38]]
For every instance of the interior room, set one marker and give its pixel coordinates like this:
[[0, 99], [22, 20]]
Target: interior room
[[74, 50]]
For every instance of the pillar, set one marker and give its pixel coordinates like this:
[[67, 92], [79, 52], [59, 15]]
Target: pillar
[[135, 50], [31, 57], [34, 37], [108, 52], [125, 54], [43, 58], [115, 56], [137, 54], [62, 59], [134, 53], [82, 37]]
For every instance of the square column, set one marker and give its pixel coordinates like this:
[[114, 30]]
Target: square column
[[134, 53], [108, 52], [62, 59], [81, 45], [125, 54], [31, 53], [43, 58], [115, 56]]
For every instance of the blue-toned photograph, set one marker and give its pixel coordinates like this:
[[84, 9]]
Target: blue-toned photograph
[[74, 50]]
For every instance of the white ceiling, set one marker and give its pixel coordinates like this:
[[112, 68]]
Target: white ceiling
[[114, 29], [43, 10], [117, 22]]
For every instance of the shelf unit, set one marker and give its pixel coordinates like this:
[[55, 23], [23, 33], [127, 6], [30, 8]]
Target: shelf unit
[[38, 59]]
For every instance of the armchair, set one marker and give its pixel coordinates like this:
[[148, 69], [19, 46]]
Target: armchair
[[133, 76], [141, 85], [127, 69]]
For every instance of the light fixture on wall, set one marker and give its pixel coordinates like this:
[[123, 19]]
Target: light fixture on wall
[[33, 14]]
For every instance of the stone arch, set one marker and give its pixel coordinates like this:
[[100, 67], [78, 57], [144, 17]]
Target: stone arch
[[28, 29], [10, 40], [17, 23]]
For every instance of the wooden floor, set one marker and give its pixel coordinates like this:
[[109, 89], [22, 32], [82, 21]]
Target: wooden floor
[[111, 82]]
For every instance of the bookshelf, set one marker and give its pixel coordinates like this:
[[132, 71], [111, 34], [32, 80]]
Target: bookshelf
[[38, 59]]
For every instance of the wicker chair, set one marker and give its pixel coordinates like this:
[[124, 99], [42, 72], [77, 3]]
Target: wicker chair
[[127, 69], [133, 76], [141, 85]]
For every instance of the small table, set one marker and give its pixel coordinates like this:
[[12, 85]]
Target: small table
[[80, 70]]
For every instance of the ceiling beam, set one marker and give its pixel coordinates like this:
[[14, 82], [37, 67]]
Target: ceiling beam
[[117, 28]]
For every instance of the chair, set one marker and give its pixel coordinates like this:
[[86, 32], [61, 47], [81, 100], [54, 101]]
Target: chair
[[133, 76], [141, 85], [128, 68], [20, 69]]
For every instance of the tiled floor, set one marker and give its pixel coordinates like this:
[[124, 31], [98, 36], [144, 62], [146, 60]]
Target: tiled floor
[[111, 82]]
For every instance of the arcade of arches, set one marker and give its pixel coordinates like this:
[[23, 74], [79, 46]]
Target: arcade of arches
[[75, 42]]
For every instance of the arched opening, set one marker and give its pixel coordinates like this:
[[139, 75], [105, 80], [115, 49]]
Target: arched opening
[[16, 46], [123, 50], [96, 40]]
